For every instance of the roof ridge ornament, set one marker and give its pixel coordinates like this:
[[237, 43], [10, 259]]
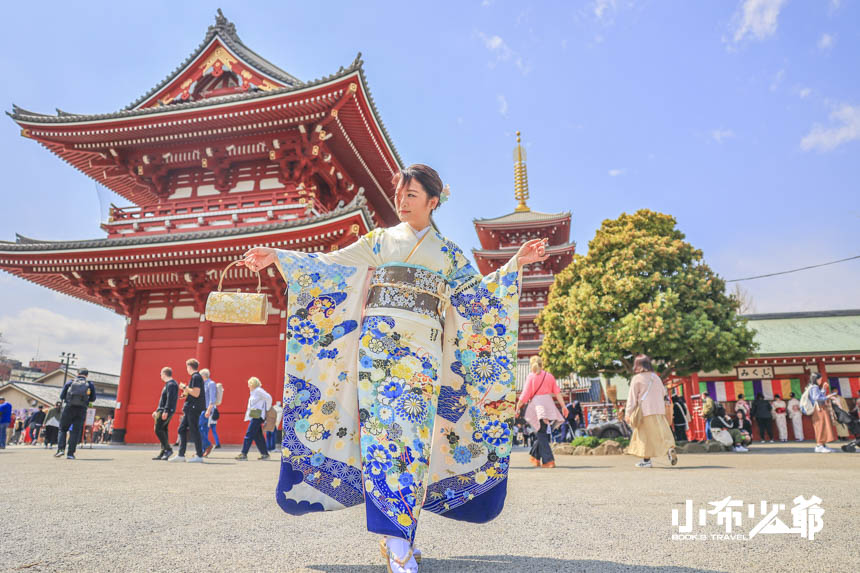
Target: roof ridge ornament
[[222, 23], [521, 178]]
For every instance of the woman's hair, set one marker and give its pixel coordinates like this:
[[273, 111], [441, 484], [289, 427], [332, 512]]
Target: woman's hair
[[642, 363], [424, 174], [741, 413], [759, 396], [740, 396], [535, 364], [254, 382]]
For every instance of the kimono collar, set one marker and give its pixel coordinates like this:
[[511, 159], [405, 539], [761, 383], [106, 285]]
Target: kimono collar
[[418, 234]]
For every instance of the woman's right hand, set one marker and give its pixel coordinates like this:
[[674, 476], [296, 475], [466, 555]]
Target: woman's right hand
[[259, 258]]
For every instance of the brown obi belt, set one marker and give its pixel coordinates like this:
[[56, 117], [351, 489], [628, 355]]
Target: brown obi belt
[[415, 289]]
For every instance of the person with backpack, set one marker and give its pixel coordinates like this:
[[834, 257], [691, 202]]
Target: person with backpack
[[77, 395], [216, 415], [815, 402], [680, 418], [210, 390]]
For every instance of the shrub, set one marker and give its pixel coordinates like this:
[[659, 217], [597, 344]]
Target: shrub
[[587, 441]]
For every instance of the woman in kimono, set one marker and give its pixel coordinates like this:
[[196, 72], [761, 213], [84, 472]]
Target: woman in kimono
[[399, 386]]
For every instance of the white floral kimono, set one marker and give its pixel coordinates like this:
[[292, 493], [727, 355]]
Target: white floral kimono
[[382, 402]]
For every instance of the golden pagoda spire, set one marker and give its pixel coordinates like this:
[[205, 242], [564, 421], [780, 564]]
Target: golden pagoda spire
[[521, 178]]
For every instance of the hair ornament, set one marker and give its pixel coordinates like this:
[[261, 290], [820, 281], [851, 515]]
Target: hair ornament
[[445, 195]]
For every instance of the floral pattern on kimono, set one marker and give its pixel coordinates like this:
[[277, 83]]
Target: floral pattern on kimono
[[397, 412]]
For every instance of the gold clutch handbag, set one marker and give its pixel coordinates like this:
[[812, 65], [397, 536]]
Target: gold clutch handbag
[[237, 307]]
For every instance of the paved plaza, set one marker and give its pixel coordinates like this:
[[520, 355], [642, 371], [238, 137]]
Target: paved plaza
[[113, 509]]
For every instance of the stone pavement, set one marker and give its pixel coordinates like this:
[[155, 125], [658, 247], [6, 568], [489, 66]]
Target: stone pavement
[[113, 509]]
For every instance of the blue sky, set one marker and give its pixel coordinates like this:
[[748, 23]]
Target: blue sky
[[742, 119]]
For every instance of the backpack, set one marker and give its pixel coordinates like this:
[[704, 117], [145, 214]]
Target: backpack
[[78, 393], [219, 394], [806, 404]]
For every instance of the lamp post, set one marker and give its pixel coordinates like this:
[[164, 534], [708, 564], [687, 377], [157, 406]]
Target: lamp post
[[66, 359]]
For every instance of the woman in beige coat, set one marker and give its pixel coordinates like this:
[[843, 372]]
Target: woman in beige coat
[[652, 437]]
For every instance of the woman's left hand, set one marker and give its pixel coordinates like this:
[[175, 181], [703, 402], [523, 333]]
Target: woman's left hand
[[533, 251]]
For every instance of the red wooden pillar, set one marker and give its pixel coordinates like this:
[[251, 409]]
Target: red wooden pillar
[[688, 400], [697, 424], [822, 369], [204, 342], [125, 379]]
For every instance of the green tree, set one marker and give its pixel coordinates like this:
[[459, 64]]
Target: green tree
[[641, 288]]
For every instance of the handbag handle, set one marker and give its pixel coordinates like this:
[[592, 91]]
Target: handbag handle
[[224, 273]]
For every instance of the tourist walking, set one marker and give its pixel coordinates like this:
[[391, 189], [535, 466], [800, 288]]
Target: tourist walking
[[841, 429], [780, 413], [822, 422], [195, 403], [52, 425], [210, 391], [5, 420], [680, 418], [398, 347], [17, 429], [259, 404], [796, 416], [36, 421], [761, 411], [270, 423], [77, 394], [164, 412], [651, 433], [544, 411]]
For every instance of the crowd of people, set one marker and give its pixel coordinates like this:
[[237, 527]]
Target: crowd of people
[[201, 398], [822, 407]]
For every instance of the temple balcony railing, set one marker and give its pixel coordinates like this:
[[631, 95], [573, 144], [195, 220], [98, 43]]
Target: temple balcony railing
[[183, 215]]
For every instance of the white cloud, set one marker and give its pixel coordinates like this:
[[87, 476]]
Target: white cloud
[[846, 128], [503, 53], [756, 19], [616, 172], [486, 3], [98, 343], [503, 105], [719, 135], [804, 93], [826, 42], [603, 9]]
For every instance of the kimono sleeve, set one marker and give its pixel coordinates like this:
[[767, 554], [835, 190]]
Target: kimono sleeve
[[475, 412], [320, 458]]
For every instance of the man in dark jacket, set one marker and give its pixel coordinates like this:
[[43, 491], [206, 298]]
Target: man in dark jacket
[[36, 421], [164, 412], [76, 395]]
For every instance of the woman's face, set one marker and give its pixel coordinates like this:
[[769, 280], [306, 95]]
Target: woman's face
[[414, 205]]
